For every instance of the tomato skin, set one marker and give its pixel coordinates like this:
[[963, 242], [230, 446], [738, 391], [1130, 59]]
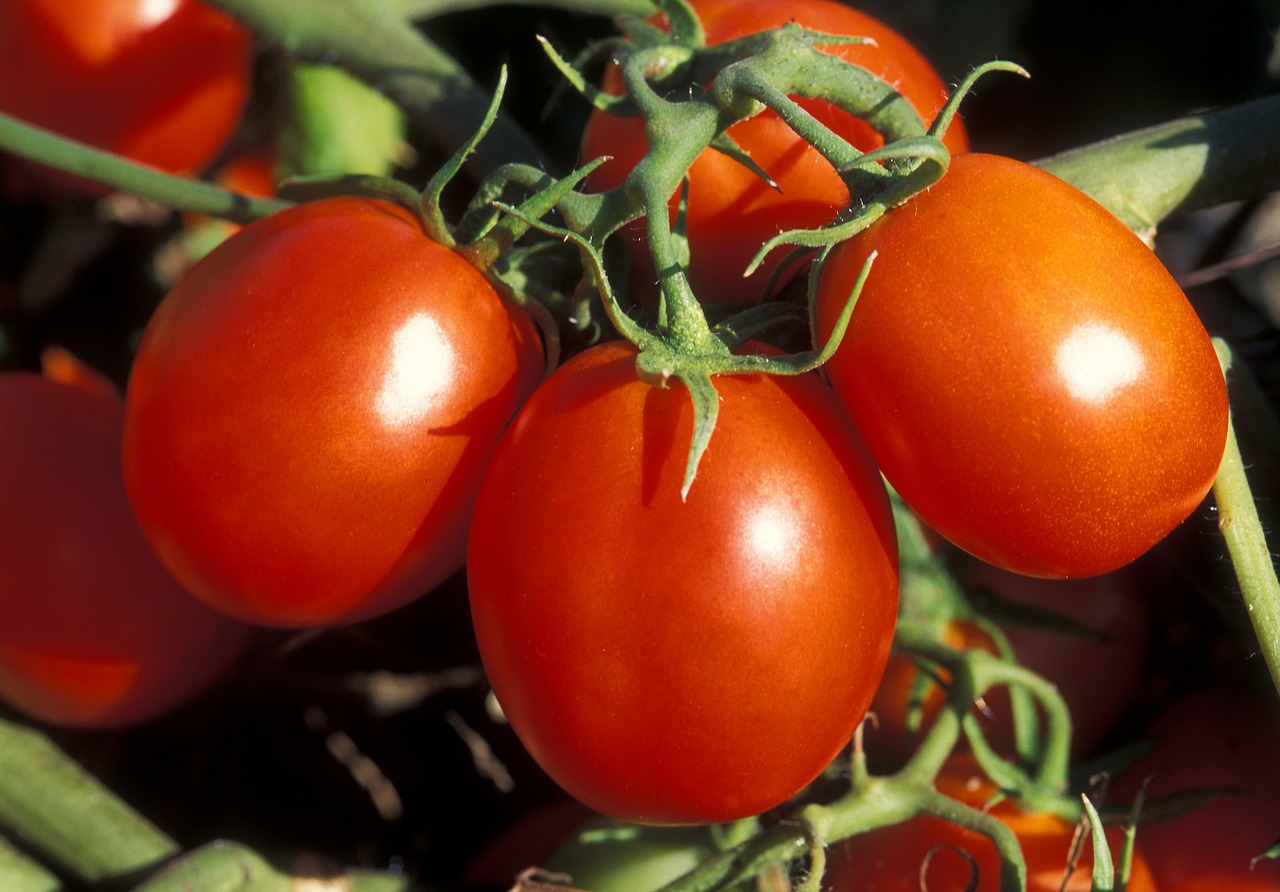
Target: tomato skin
[[310, 410], [163, 84], [1099, 677], [889, 859], [670, 662], [94, 632], [1026, 373], [731, 211], [1225, 737]]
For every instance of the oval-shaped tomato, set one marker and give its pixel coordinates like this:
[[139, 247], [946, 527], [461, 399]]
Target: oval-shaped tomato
[[930, 853], [670, 661], [310, 410], [94, 632], [731, 211], [163, 83], [1097, 668], [1027, 374], [1225, 738]]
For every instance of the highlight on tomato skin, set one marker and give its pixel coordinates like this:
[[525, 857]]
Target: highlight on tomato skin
[[731, 211], [310, 409], [94, 632], [672, 661], [1027, 374]]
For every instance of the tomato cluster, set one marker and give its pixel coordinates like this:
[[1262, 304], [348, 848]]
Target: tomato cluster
[[685, 605]]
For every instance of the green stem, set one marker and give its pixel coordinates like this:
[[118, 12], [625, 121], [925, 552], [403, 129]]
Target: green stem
[[422, 9], [231, 866], [1247, 543], [376, 42], [63, 812], [177, 192], [1195, 162], [18, 873]]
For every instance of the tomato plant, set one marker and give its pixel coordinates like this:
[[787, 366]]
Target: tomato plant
[[1097, 665], [671, 661], [94, 632], [608, 856], [92, 71], [1026, 373], [927, 852], [310, 410], [1222, 738], [731, 211]]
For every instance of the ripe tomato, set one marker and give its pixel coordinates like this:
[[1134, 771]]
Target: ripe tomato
[[893, 859], [93, 631], [1027, 374], [731, 211], [1099, 677], [163, 83], [1222, 737], [310, 410], [681, 662]]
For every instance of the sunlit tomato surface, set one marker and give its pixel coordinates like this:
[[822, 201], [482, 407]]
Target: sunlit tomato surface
[[1027, 374], [94, 632], [163, 83], [732, 212], [1224, 738], [1096, 664], [933, 854], [681, 662], [310, 410]]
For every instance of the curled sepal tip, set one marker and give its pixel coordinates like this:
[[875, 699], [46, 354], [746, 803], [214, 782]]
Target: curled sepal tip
[[948, 112], [605, 102], [429, 201]]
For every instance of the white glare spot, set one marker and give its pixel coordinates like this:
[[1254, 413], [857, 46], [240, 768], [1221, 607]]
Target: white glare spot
[[770, 536], [153, 12], [1095, 361], [421, 363]]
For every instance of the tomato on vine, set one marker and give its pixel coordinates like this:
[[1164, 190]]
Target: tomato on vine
[[310, 410], [927, 852], [94, 632], [672, 661], [159, 83], [1027, 374], [731, 211]]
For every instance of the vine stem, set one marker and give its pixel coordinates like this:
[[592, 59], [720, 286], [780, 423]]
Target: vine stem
[[1246, 542], [177, 192]]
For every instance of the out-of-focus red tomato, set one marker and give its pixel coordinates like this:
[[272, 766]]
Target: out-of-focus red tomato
[[94, 632], [1219, 737], [1099, 675], [162, 82]]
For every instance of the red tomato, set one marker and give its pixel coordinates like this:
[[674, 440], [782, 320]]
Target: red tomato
[[891, 859], [732, 212], [93, 631], [310, 410], [163, 83], [1099, 676], [1220, 737], [1027, 374], [681, 662]]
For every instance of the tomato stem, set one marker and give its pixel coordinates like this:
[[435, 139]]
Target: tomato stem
[[1244, 536], [65, 813], [181, 193]]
